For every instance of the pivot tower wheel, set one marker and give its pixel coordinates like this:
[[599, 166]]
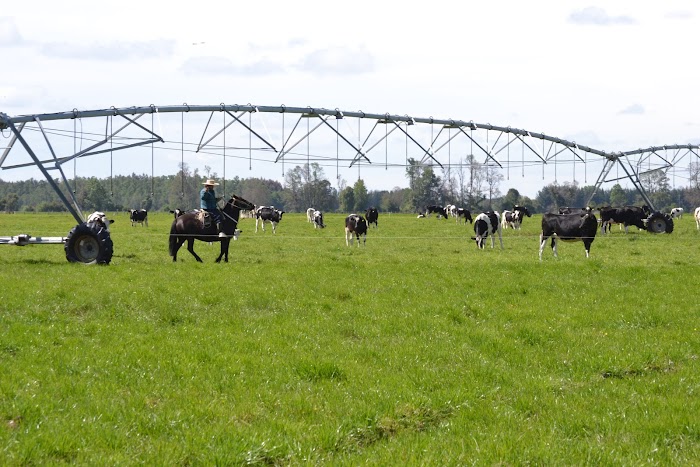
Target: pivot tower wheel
[[89, 243], [659, 222]]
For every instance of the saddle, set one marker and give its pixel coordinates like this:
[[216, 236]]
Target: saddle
[[203, 217]]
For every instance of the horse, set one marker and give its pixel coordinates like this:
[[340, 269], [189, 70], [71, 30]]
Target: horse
[[189, 227]]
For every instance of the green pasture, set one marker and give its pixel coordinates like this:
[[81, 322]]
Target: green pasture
[[414, 349]]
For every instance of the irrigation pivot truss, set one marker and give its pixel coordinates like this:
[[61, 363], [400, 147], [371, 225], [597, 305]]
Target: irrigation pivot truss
[[351, 138]]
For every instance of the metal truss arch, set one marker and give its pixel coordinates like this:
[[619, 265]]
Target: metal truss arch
[[249, 126]]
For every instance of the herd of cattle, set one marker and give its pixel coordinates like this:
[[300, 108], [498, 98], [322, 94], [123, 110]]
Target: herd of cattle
[[569, 224]]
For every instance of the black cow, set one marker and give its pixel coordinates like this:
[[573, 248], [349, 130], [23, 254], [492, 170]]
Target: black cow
[[439, 210], [372, 215], [463, 212], [626, 216], [317, 218], [487, 225], [568, 227], [355, 225], [268, 214], [138, 216]]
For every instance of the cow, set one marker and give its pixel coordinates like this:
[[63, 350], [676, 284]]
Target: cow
[[439, 210], [268, 214], [514, 218], [568, 227], [697, 218], [626, 216], [318, 220], [372, 215], [355, 225], [677, 213], [508, 219], [310, 215], [451, 210], [463, 212], [99, 217], [177, 212], [487, 225], [138, 216]]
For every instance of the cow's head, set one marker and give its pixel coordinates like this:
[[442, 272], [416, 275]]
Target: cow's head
[[236, 233], [100, 218]]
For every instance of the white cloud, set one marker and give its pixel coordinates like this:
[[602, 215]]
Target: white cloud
[[9, 34], [109, 51], [224, 66], [338, 60], [598, 16], [634, 109]]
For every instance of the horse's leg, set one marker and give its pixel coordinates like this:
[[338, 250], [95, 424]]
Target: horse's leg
[[178, 243], [190, 248], [224, 250]]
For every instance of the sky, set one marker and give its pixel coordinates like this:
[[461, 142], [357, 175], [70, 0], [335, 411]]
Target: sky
[[614, 76]]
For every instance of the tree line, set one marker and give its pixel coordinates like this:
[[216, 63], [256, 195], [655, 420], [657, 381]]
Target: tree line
[[471, 185]]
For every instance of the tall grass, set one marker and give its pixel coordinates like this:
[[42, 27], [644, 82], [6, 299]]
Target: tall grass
[[414, 349]]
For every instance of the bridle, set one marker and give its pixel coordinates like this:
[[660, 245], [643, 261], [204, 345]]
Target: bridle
[[232, 202]]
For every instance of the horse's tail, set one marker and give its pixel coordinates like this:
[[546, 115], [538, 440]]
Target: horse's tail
[[172, 241]]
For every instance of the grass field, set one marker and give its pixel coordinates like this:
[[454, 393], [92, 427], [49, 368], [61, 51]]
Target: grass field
[[415, 349]]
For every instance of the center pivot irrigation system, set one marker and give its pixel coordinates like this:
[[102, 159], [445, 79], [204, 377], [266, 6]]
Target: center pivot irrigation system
[[276, 135]]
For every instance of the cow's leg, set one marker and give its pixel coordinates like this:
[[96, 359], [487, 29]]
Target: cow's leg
[[587, 245], [190, 248], [555, 242], [274, 227], [543, 242], [256, 224], [347, 240], [500, 238]]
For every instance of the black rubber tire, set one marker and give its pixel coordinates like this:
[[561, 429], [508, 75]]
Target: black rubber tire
[[658, 222], [89, 243]]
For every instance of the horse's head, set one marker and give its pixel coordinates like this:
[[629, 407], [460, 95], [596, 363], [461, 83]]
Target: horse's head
[[241, 203]]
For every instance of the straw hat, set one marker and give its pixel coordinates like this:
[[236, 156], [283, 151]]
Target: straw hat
[[210, 182]]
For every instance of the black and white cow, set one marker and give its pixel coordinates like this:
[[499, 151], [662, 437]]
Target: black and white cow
[[568, 227], [451, 210], [177, 212], [463, 213], [267, 214], [355, 226], [509, 219], [99, 217], [138, 216], [318, 220], [487, 225], [677, 213], [439, 210], [625, 216], [310, 215], [514, 218], [372, 215]]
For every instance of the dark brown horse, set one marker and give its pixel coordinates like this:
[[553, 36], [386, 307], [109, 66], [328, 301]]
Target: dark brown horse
[[189, 227]]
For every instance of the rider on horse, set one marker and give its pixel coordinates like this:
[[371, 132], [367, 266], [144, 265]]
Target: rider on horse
[[208, 203]]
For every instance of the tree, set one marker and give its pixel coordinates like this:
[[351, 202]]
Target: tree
[[347, 199], [95, 197], [511, 198], [424, 184], [10, 202], [360, 192], [493, 178], [618, 197]]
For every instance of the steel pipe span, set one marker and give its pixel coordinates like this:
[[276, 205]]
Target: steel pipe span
[[632, 167]]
